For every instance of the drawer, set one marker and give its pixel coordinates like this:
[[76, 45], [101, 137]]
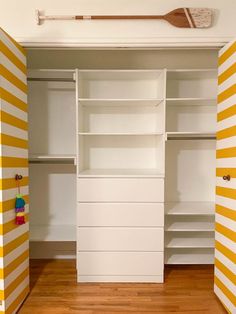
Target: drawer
[[120, 263], [120, 239], [120, 214], [120, 190]]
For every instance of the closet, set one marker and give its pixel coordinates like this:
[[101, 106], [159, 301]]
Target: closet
[[122, 159], [122, 149]]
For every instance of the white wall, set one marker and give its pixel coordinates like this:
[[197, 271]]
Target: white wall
[[18, 19]]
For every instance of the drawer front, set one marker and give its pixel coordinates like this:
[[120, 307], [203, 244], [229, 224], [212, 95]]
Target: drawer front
[[120, 214], [120, 263], [120, 190], [120, 239]]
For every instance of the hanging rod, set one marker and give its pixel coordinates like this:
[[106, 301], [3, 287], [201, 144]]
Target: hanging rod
[[51, 79], [53, 162], [192, 138]]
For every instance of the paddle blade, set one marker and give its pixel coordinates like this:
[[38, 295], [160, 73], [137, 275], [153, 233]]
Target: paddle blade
[[190, 17]]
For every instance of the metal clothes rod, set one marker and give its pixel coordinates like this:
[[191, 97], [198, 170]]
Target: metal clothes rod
[[51, 79], [54, 162], [191, 138]]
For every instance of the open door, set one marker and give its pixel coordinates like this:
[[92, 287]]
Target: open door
[[14, 239], [225, 245]]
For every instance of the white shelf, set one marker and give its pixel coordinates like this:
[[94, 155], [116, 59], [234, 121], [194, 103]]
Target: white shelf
[[190, 208], [189, 256], [176, 135], [197, 101], [119, 102], [53, 233], [190, 242], [52, 158], [98, 72], [120, 134], [121, 173], [190, 226]]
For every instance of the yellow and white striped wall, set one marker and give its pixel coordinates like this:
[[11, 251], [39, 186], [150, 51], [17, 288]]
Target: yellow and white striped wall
[[14, 240], [225, 245]]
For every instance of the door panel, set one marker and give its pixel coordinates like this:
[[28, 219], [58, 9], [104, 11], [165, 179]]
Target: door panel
[[14, 241], [225, 228]]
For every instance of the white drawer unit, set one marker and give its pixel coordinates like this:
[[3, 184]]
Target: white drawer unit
[[125, 266], [120, 239], [120, 190], [120, 214]]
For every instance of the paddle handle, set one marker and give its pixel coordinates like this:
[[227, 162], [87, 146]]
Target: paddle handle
[[119, 17]]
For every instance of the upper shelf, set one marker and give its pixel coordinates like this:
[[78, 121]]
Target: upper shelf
[[51, 75], [119, 102], [52, 159], [121, 134]]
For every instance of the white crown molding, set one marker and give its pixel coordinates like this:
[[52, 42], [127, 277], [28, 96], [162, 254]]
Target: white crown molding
[[147, 42]]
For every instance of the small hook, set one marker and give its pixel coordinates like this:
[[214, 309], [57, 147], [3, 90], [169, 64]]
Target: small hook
[[18, 177]]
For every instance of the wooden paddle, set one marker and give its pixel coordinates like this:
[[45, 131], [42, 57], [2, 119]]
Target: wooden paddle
[[182, 17]]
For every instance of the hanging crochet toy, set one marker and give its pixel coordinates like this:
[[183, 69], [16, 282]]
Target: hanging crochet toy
[[20, 204]]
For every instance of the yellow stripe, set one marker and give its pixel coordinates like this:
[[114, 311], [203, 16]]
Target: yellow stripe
[[12, 57], [13, 79], [228, 233], [8, 248], [225, 291], [18, 46], [226, 212], [220, 172], [226, 74], [10, 183], [228, 53], [225, 251], [11, 225], [13, 162], [226, 152], [13, 141], [15, 304], [227, 93], [13, 100], [229, 112], [226, 192], [228, 132], [9, 290], [7, 270], [227, 272], [12, 120], [10, 204]]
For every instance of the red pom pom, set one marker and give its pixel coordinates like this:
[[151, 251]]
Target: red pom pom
[[20, 220]]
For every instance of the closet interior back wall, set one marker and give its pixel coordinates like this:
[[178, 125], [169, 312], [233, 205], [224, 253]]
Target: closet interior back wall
[[52, 142], [52, 131]]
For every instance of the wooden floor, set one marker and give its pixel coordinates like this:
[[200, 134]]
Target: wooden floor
[[54, 289]]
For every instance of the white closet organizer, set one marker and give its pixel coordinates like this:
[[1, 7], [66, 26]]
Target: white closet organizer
[[190, 166], [120, 174], [52, 153], [116, 146]]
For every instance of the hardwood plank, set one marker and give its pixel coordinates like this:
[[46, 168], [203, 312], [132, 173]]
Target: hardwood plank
[[54, 290]]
